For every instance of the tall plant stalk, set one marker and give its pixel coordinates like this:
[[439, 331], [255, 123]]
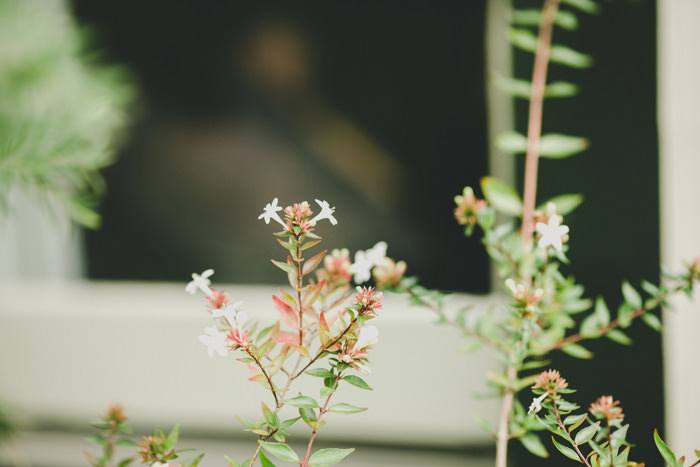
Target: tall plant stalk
[[534, 132]]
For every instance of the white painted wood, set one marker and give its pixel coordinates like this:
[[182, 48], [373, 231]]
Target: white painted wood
[[66, 349], [679, 123]]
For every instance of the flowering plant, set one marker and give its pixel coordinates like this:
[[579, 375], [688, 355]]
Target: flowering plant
[[597, 438], [529, 248], [321, 332]]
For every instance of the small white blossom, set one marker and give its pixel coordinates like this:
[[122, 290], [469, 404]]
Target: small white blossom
[[215, 341], [160, 464], [366, 260], [200, 282], [270, 212], [233, 314], [368, 336], [326, 213], [536, 405], [552, 233]]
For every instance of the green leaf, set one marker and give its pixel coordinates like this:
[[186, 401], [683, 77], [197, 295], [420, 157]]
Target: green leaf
[[601, 312], [264, 461], [558, 146], [320, 373], [566, 451], [561, 89], [618, 336], [533, 444], [631, 295], [346, 408], [665, 451], [328, 456], [304, 402], [563, 19], [83, 214], [565, 203], [280, 451], [172, 437], [652, 321], [502, 196], [586, 434], [566, 56], [286, 267], [577, 351], [587, 6], [357, 381]]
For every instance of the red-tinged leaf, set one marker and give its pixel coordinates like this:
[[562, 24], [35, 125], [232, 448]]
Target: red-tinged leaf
[[289, 315], [323, 330], [288, 338], [312, 263], [312, 294], [289, 298]]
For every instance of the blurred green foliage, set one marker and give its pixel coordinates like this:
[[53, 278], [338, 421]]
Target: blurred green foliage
[[60, 110]]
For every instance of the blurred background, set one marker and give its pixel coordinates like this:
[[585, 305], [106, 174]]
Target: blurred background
[[386, 109]]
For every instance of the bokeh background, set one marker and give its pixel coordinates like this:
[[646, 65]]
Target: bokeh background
[[385, 109]]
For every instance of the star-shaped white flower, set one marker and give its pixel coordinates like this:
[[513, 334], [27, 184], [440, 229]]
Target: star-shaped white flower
[[326, 213], [552, 233], [366, 260], [368, 336], [536, 405], [233, 314], [200, 282], [270, 212], [215, 341]]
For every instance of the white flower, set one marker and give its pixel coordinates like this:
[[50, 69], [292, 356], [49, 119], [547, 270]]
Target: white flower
[[233, 314], [215, 341], [536, 405], [368, 336], [200, 282], [159, 464], [270, 212], [552, 233], [366, 260], [326, 213]]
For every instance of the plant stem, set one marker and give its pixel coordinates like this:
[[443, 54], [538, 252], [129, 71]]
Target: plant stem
[[266, 374], [580, 455], [534, 129], [300, 280], [314, 432], [437, 309], [534, 133], [614, 324], [503, 422]]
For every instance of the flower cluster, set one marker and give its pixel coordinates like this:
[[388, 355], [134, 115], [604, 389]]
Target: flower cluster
[[607, 408], [468, 207]]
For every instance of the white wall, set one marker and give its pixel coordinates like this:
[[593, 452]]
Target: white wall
[[679, 123]]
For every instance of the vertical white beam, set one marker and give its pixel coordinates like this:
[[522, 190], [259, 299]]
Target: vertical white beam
[[679, 130], [499, 104]]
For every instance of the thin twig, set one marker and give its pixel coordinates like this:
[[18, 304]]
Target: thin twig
[[267, 376], [325, 348], [314, 432], [568, 435]]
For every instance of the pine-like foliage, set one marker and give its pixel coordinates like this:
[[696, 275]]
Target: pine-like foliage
[[60, 110]]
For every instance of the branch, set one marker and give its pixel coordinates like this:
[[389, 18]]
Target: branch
[[534, 129], [267, 376], [314, 432], [324, 349]]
